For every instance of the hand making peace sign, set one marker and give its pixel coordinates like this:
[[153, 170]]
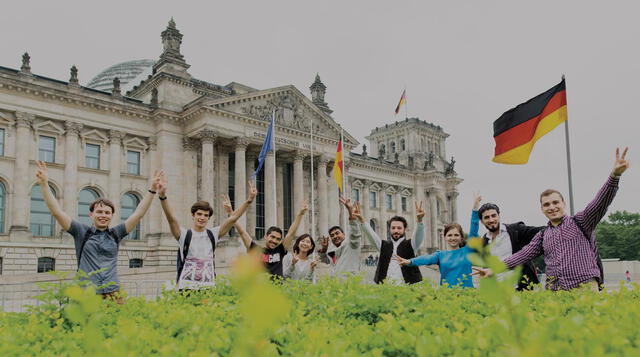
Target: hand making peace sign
[[419, 211], [621, 164]]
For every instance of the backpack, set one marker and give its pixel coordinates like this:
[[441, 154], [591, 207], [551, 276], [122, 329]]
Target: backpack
[[595, 247], [185, 250], [86, 237]]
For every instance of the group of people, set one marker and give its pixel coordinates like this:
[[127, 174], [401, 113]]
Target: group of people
[[567, 242]]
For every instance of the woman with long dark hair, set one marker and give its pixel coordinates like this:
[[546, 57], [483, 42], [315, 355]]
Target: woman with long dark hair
[[299, 264], [455, 267]]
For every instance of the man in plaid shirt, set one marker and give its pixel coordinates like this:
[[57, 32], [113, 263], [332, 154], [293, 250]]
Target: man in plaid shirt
[[568, 242]]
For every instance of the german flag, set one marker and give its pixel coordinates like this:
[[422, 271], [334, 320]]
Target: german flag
[[518, 129], [403, 100], [337, 166]]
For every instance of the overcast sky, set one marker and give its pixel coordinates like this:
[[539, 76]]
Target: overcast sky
[[463, 64]]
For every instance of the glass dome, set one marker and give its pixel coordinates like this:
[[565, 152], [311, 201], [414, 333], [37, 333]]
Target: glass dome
[[130, 73]]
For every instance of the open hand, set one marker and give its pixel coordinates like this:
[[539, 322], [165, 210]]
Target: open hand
[[477, 199], [156, 180], [253, 191], [401, 260], [42, 173], [348, 204], [481, 272], [226, 204], [419, 211], [621, 164]]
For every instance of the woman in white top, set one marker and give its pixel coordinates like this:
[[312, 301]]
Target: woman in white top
[[298, 264]]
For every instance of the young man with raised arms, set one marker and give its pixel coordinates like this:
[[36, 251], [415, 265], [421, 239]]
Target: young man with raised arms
[[97, 245], [196, 254]]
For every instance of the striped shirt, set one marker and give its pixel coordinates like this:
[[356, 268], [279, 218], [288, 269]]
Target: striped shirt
[[570, 256]]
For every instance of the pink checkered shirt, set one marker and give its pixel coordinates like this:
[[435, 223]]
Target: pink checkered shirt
[[570, 256]]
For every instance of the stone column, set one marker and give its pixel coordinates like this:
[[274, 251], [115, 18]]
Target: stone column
[[21, 177], [453, 199], [270, 208], [240, 179], [280, 191], [298, 182], [251, 212], [70, 189], [115, 156], [207, 139], [382, 211], [399, 203], [366, 211], [323, 221], [433, 216]]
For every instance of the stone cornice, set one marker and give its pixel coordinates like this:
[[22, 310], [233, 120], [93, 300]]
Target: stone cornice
[[59, 91]]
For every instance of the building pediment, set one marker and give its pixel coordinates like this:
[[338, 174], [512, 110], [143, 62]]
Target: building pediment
[[291, 108], [94, 135], [5, 120], [49, 127], [135, 143]]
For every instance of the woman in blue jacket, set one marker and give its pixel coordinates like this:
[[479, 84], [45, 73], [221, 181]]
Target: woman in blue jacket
[[455, 267]]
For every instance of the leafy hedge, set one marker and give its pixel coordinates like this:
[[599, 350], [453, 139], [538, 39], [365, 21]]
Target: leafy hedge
[[249, 316]]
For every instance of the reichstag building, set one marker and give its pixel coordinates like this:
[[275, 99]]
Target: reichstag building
[[106, 138]]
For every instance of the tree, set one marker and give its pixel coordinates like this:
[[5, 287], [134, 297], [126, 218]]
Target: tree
[[619, 236]]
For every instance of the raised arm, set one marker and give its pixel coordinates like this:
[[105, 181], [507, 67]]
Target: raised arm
[[235, 215], [294, 226], [369, 233], [418, 234], [355, 233], [174, 226], [61, 217], [589, 218], [244, 236], [475, 220], [322, 252], [427, 259], [133, 220]]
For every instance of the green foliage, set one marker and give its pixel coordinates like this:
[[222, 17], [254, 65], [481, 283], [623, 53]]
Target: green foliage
[[249, 316], [619, 236]]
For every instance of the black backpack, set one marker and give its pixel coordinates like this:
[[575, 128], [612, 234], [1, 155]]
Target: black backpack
[[185, 251], [595, 247], [86, 237]]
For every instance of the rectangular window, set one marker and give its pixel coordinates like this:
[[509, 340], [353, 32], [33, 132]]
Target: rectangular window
[[373, 198], [46, 264], [389, 201], [404, 204], [133, 162], [355, 194], [92, 156], [287, 195], [1, 142], [47, 149]]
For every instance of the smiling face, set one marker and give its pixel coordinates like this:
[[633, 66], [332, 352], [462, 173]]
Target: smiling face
[[397, 229], [200, 219], [453, 237], [273, 239], [552, 205], [101, 216], [305, 245], [337, 236], [491, 220]]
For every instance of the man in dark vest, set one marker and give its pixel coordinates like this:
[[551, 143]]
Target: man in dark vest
[[389, 269], [505, 239]]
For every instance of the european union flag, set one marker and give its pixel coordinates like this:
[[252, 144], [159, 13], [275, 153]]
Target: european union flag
[[268, 145]]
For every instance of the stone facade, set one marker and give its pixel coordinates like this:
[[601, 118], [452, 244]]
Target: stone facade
[[206, 137]]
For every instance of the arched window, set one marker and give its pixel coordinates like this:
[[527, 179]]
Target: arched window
[[128, 205], [46, 264], [402, 145], [3, 199], [135, 263], [393, 147], [41, 221], [372, 222], [87, 196]]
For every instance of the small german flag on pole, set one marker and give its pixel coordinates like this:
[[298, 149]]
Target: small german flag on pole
[[518, 129], [403, 100]]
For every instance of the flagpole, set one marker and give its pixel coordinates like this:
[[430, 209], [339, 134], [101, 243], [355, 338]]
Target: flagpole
[[273, 143], [344, 174], [406, 105], [566, 135], [313, 205]]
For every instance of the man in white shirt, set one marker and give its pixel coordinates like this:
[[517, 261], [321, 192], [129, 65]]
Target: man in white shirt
[[397, 245], [196, 254]]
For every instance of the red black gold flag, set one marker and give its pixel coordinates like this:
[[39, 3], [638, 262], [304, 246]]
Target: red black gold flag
[[518, 129]]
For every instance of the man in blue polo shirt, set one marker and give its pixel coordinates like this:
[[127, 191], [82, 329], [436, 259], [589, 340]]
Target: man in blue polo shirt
[[97, 245]]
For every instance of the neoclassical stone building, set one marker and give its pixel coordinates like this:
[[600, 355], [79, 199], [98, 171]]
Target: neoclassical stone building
[[106, 138]]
